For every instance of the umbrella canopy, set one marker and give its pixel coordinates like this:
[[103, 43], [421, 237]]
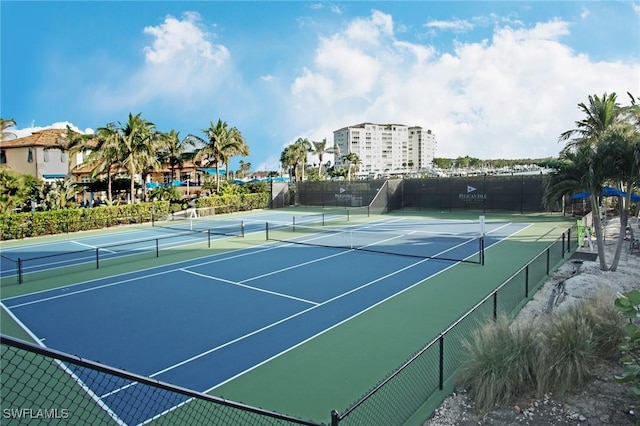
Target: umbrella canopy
[[607, 191]]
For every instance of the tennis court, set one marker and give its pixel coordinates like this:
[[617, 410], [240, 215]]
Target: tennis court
[[205, 323]]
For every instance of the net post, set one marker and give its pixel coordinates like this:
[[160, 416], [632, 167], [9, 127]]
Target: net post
[[348, 219], [322, 219], [157, 247], [294, 224], [266, 229], [368, 211], [97, 257], [242, 228], [563, 240], [19, 267], [208, 238]]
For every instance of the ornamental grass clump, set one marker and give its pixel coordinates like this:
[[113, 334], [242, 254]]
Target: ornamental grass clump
[[566, 352], [607, 324], [499, 363]]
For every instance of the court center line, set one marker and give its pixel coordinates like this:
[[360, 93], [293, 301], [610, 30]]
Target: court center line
[[249, 287]]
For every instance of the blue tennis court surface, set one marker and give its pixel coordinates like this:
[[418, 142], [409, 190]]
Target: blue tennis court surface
[[200, 323]]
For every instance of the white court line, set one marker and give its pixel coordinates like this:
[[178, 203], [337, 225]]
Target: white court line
[[249, 287], [90, 246]]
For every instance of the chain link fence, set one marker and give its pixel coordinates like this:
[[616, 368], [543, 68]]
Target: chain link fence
[[44, 386]]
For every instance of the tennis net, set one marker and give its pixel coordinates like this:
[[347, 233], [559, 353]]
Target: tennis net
[[466, 247], [189, 222]]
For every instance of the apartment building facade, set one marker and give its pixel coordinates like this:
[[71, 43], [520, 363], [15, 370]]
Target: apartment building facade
[[385, 149]]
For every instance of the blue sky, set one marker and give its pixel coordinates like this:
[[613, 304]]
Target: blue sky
[[491, 79]]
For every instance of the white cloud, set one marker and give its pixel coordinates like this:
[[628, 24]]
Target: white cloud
[[585, 13], [455, 25], [510, 96], [181, 63], [62, 125]]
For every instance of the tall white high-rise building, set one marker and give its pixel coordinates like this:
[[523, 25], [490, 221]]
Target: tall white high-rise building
[[385, 149]]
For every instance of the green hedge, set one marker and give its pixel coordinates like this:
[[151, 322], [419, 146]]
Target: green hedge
[[34, 224], [23, 225], [235, 202]]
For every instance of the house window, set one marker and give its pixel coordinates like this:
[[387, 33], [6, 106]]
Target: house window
[[30, 156], [63, 157], [3, 157], [46, 155]]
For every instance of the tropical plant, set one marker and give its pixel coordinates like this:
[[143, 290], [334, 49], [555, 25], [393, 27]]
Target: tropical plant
[[353, 162], [6, 123], [172, 150], [60, 194], [220, 145], [244, 169], [70, 143], [591, 158], [319, 149], [14, 191], [628, 305], [106, 154], [139, 143], [294, 158]]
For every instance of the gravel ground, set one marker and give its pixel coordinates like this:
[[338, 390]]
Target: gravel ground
[[602, 401]]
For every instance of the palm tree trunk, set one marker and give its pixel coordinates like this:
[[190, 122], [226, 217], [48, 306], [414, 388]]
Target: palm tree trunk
[[598, 230]]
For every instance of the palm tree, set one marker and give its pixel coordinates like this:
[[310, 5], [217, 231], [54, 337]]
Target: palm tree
[[244, 169], [601, 114], [220, 144], [235, 145], [139, 140], [294, 158], [581, 169], [173, 149], [319, 149], [106, 154], [6, 123], [621, 151], [301, 148], [71, 143], [353, 162], [586, 156]]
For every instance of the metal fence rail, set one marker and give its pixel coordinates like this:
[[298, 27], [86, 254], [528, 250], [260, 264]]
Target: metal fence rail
[[48, 386]]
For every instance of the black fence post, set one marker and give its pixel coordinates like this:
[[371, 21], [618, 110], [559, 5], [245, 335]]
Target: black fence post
[[19, 266], [441, 363], [548, 261], [526, 281], [495, 305], [335, 418], [563, 241], [569, 240]]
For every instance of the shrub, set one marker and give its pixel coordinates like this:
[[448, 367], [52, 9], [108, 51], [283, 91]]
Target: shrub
[[499, 363], [556, 353], [629, 305], [566, 352]]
